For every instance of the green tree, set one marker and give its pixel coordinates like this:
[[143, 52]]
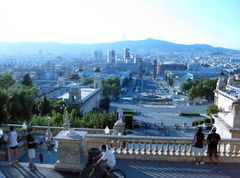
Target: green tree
[[44, 107], [74, 115], [58, 106], [6, 80], [27, 81], [4, 115], [111, 87], [88, 81], [212, 109], [105, 103], [58, 118], [200, 88], [20, 106]]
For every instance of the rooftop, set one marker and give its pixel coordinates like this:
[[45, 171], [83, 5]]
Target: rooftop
[[133, 169], [85, 93]]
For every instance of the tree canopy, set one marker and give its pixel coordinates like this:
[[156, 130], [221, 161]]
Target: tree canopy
[[27, 81], [200, 88], [111, 87], [212, 109]]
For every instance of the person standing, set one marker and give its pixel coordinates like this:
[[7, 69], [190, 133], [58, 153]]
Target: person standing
[[13, 145], [213, 139], [198, 146], [31, 148]]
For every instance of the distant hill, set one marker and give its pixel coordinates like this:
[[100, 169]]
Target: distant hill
[[148, 46]]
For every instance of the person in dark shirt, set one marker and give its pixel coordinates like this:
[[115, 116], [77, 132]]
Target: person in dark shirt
[[213, 139], [198, 146], [31, 148]]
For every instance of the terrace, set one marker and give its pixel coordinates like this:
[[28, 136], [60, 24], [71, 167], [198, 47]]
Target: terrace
[[138, 156]]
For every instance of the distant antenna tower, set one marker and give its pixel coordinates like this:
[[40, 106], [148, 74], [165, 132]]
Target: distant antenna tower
[[124, 36]]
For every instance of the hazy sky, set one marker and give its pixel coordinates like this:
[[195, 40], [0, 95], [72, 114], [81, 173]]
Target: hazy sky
[[214, 22]]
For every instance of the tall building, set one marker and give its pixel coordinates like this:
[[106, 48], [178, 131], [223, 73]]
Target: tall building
[[137, 60], [155, 69], [97, 55], [111, 56], [126, 55], [140, 68]]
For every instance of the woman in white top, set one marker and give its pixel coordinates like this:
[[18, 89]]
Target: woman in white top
[[13, 144]]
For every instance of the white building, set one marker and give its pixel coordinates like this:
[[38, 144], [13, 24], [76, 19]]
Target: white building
[[227, 98], [84, 99]]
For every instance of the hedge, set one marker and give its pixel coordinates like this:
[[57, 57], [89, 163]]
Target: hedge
[[189, 114]]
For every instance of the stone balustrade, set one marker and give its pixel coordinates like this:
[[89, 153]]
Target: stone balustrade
[[161, 148], [147, 147], [55, 130]]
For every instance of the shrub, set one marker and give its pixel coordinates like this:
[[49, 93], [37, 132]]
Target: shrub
[[189, 114], [194, 123], [207, 120], [128, 121], [212, 109]]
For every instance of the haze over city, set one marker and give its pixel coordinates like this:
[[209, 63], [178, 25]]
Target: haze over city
[[214, 22]]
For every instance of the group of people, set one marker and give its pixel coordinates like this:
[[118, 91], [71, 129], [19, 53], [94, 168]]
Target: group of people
[[107, 159], [211, 141], [13, 139]]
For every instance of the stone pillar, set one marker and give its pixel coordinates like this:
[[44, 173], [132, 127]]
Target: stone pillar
[[71, 155], [119, 127]]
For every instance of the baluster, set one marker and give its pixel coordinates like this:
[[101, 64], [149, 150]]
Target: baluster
[[185, 149], [219, 149], [156, 149], [139, 148], [121, 147], [133, 147], [173, 148], [144, 148], [115, 146], [232, 148], [168, 150], [150, 148], [191, 150], [179, 150], [224, 149], [237, 150], [162, 148], [127, 148]]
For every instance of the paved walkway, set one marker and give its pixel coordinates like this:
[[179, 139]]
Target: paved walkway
[[133, 169]]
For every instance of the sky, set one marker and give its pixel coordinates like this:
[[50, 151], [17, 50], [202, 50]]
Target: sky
[[214, 22]]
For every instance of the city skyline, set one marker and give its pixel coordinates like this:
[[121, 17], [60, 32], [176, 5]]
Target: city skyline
[[186, 22]]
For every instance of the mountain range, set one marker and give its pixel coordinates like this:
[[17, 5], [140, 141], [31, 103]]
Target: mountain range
[[148, 46]]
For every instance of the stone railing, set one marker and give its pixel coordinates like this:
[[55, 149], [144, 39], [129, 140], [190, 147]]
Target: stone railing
[[148, 148], [55, 130], [161, 148]]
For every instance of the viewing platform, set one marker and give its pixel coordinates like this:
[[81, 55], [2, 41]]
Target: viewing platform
[[137, 156]]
